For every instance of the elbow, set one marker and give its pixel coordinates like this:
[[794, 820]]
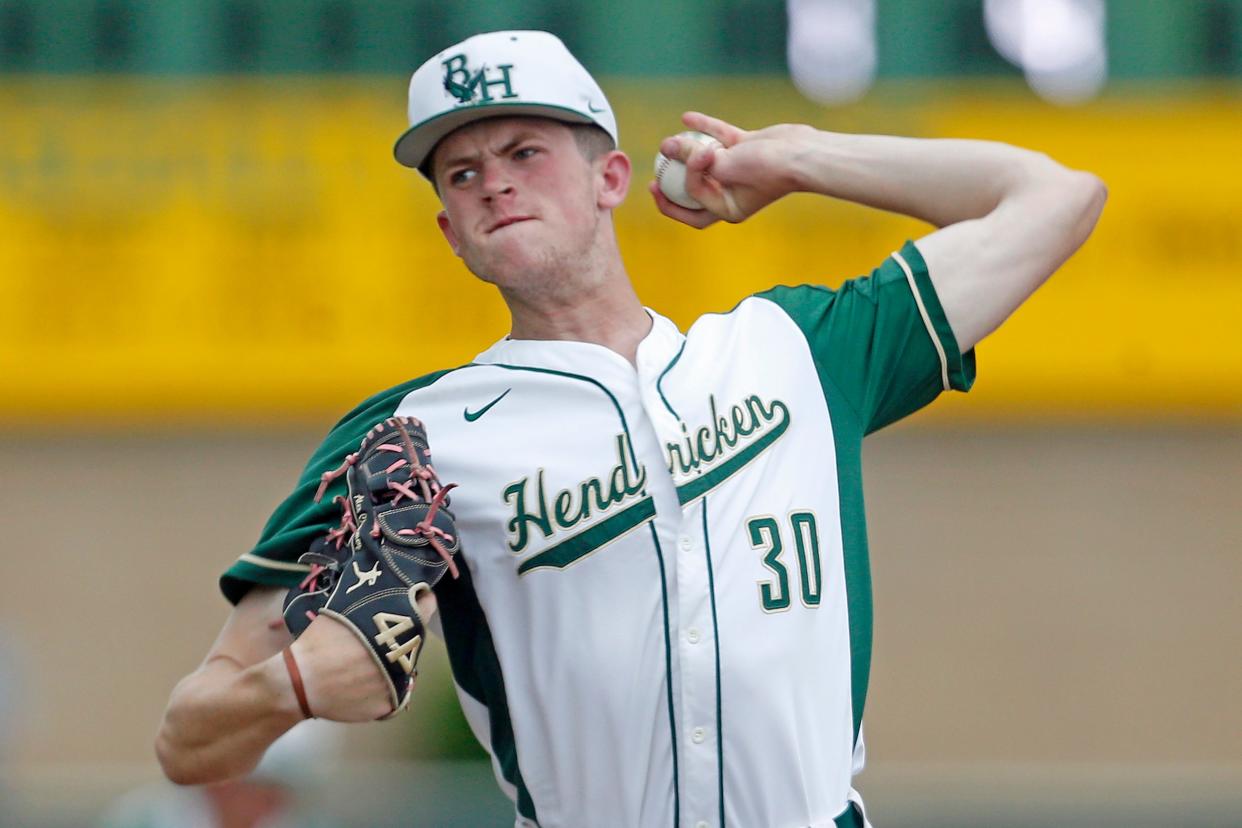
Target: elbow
[[175, 763], [186, 766], [1093, 193], [184, 759], [1089, 195], [1081, 197], [173, 748], [1070, 200]]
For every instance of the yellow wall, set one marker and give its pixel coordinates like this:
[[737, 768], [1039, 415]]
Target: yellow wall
[[221, 249]]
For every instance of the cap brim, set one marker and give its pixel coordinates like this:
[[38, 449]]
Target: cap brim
[[415, 144]]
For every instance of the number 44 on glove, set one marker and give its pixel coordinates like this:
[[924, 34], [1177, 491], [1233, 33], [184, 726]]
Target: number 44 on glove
[[395, 541]]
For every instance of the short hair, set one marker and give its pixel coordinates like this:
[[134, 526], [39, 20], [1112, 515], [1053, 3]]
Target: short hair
[[592, 140]]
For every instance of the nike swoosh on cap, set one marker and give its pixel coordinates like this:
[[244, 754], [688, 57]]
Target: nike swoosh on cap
[[471, 416]]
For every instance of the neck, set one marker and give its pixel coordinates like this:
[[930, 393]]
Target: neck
[[597, 305], [613, 318]]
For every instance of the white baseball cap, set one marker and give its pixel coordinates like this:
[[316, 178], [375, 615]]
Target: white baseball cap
[[494, 74]]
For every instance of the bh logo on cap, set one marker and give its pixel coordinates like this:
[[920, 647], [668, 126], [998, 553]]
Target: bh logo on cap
[[476, 87]]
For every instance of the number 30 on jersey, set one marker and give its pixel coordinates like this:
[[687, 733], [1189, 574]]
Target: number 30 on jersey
[[767, 535]]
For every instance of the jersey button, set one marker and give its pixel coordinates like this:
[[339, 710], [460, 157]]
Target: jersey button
[[692, 635], [702, 823], [686, 546], [698, 735]]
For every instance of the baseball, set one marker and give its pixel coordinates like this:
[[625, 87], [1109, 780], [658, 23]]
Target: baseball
[[671, 174]]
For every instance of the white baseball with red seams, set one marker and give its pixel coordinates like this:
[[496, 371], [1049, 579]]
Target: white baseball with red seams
[[671, 174]]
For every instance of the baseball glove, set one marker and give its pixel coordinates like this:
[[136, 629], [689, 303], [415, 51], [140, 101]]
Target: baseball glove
[[395, 541]]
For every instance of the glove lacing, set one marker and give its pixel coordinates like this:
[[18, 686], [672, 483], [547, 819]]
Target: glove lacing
[[430, 492]]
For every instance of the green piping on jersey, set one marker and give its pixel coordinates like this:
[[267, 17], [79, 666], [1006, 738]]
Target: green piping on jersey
[[668, 673], [620, 413], [711, 587], [576, 547], [660, 379]]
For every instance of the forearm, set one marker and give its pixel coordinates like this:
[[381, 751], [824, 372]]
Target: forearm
[[941, 181], [222, 718], [1008, 217]]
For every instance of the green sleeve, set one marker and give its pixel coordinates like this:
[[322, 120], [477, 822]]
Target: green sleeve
[[882, 340], [299, 519]]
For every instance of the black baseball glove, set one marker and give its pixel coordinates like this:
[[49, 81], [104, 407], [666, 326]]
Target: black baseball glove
[[395, 541]]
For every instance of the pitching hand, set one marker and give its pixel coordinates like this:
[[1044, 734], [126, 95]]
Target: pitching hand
[[755, 167]]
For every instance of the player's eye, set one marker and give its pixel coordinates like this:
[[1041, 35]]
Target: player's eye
[[524, 153], [459, 177]]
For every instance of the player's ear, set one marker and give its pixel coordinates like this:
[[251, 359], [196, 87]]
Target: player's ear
[[450, 236], [613, 178]]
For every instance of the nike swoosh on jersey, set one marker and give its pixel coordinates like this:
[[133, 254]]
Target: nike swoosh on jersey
[[471, 416]]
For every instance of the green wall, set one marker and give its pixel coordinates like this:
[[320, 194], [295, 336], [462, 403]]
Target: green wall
[[1147, 38]]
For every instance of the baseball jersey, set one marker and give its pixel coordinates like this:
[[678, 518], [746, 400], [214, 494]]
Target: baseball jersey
[[664, 613]]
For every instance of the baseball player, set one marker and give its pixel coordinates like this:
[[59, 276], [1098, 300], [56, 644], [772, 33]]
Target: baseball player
[[661, 609]]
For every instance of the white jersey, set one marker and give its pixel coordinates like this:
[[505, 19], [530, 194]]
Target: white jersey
[[664, 615]]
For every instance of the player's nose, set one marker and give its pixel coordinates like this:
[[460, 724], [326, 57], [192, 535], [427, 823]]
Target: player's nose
[[496, 180]]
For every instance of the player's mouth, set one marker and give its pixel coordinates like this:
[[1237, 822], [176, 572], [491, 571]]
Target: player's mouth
[[505, 222]]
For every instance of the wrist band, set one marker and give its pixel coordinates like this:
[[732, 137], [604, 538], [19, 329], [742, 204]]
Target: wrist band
[[295, 678]]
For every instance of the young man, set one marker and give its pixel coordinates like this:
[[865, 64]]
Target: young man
[[663, 614]]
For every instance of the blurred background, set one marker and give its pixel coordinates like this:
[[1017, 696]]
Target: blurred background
[[199, 208]]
